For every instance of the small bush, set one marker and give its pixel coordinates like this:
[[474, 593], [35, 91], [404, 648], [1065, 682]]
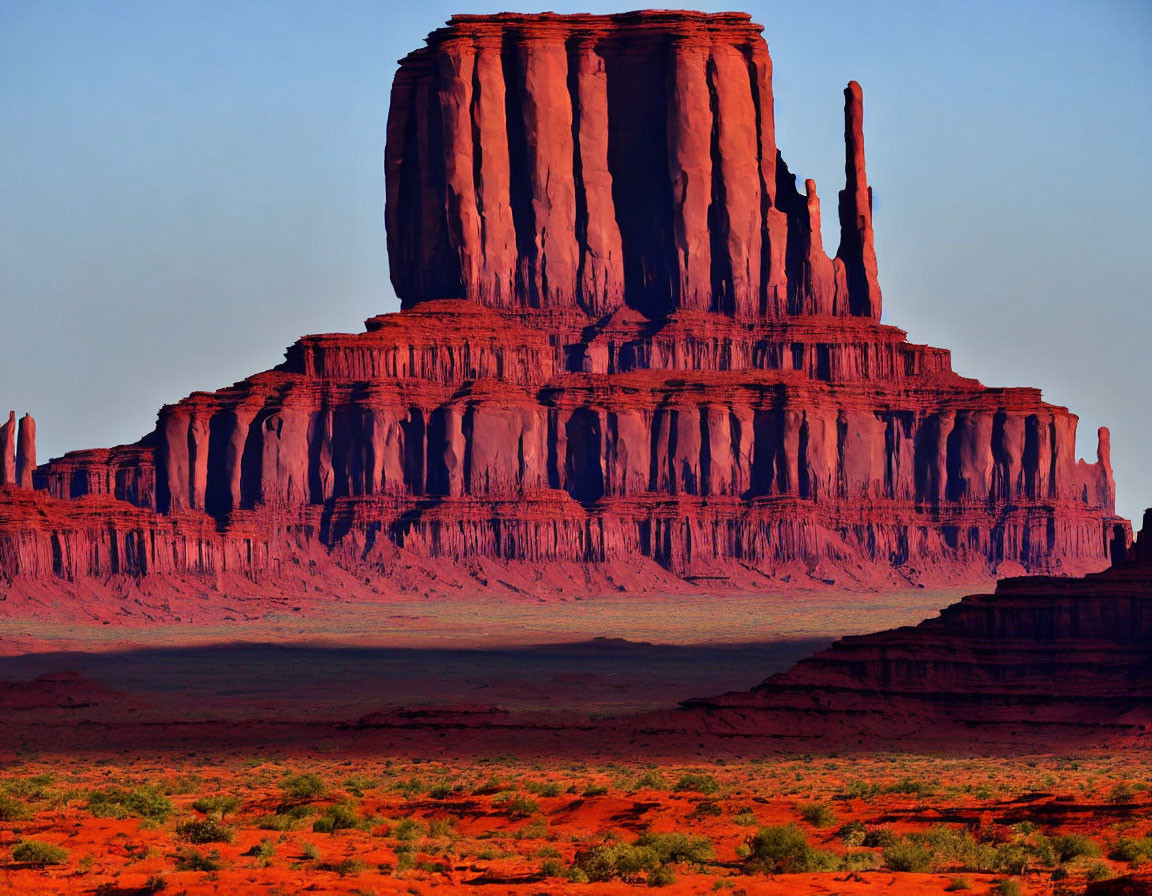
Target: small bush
[[408, 829], [907, 854], [1098, 871], [551, 868], [958, 883], [310, 851], [37, 852], [745, 819], [285, 820], [1122, 793], [594, 790], [696, 783], [1074, 846], [517, 806], [661, 876], [852, 834], [651, 780], [818, 815], [13, 810], [194, 860], [706, 809], [1009, 887], [357, 784], [784, 849], [442, 791], [543, 788], [1132, 851], [143, 802], [218, 804], [860, 861], [302, 787], [412, 787], [208, 830], [341, 816], [677, 847], [611, 860], [880, 837]]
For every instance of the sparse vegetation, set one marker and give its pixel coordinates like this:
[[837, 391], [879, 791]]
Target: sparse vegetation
[[37, 852]]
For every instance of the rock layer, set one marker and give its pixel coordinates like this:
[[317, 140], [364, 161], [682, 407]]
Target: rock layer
[[621, 343], [1044, 657]]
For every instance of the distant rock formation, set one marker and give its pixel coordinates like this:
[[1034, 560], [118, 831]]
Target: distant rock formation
[[622, 346], [1060, 659], [25, 451], [8, 450]]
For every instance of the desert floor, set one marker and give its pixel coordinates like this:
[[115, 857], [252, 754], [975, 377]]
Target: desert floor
[[182, 759]]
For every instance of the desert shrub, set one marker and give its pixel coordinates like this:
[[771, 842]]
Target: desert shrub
[[302, 787], [33, 787], [1122, 793], [859, 861], [745, 818], [409, 787], [1009, 887], [207, 830], [517, 806], [607, 861], [284, 820], [265, 849], [442, 791], [880, 838], [37, 852], [534, 830], [784, 849], [310, 851], [357, 784], [958, 883], [408, 829], [194, 860], [661, 876], [818, 815], [1098, 871], [339, 817], [13, 810], [706, 809], [851, 834], [677, 847], [1131, 850], [594, 790], [696, 783], [155, 883], [446, 827], [1074, 846], [218, 804], [907, 854], [651, 780], [543, 788], [910, 786], [143, 802], [857, 790], [552, 868]]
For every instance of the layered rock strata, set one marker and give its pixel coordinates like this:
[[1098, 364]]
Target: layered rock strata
[[1063, 658], [621, 343]]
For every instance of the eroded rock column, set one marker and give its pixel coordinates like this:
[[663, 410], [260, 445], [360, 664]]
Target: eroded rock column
[[8, 450], [25, 451], [857, 249]]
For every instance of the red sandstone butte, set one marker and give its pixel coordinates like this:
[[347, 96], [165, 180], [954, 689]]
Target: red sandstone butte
[[622, 349]]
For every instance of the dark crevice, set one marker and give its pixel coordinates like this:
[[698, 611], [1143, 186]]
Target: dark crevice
[[520, 198], [586, 302], [723, 299]]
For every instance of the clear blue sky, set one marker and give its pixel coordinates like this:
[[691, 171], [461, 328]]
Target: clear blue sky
[[187, 187]]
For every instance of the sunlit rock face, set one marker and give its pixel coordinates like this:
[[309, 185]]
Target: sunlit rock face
[[622, 343]]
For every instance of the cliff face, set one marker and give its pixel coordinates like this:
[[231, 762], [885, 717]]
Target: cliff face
[[1042, 657], [621, 343], [590, 163]]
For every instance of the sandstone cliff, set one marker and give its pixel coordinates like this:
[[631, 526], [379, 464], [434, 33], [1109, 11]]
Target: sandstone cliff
[[622, 346]]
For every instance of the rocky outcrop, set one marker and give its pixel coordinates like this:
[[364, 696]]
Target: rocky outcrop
[[622, 343], [1057, 658], [25, 451], [8, 450]]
